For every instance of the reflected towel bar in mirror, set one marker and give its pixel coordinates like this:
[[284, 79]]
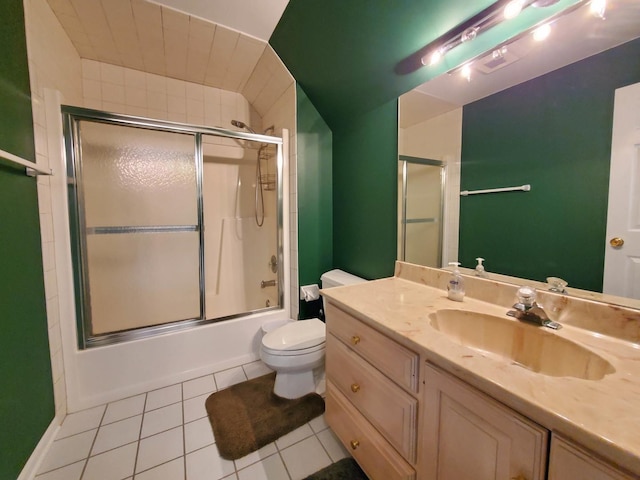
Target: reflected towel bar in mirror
[[524, 188]]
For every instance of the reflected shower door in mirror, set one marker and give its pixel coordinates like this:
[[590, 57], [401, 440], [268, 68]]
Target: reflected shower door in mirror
[[542, 118], [422, 205], [140, 194]]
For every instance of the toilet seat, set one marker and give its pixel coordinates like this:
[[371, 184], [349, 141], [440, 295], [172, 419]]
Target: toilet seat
[[295, 338], [286, 353]]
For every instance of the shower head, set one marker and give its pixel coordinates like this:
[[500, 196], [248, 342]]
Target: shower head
[[239, 124]]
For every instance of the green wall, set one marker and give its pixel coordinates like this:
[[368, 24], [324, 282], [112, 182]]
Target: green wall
[[315, 200], [365, 165], [26, 390], [553, 132]]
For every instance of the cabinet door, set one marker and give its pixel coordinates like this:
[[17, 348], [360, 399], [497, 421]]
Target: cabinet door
[[570, 461], [469, 436]]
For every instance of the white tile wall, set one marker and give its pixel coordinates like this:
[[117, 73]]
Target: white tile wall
[[53, 63]]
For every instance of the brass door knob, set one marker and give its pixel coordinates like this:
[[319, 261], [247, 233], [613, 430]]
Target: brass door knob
[[355, 339], [355, 388], [616, 242], [355, 444]]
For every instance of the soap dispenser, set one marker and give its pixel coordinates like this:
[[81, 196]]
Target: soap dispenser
[[455, 287], [480, 271]]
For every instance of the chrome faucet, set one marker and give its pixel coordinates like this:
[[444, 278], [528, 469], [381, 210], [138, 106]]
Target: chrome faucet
[[527, 310]]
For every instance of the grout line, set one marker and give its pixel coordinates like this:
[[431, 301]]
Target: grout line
[[95, 437], [135, 462]]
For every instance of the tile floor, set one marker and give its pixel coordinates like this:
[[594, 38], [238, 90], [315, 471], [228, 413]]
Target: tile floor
[[165, 435]]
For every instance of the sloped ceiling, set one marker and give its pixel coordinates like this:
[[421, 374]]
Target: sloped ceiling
[[155, 39]]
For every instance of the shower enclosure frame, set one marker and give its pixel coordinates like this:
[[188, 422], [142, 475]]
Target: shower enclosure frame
[[71, 116], [405, 160]]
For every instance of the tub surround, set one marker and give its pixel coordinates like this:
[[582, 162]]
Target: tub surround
[[601, 415]]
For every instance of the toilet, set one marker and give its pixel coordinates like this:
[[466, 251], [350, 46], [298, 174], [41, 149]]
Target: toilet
[[296, 349]]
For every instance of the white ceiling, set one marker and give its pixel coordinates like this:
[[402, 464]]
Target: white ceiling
[[574, 37], [257, 18]]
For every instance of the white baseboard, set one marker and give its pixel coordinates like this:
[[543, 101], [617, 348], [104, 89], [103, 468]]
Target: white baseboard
[[37, 456]]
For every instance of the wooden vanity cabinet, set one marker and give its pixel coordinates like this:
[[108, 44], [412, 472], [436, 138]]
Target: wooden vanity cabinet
[[371, 402], [468, 435], [568, 461]]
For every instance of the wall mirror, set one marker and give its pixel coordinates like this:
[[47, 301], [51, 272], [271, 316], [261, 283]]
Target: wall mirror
[[539, 114]]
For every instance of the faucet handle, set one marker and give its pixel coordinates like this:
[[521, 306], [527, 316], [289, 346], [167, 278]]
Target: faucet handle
[[527, 296]]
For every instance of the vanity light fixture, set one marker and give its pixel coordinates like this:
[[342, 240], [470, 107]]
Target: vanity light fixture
[[539, 32], [469, 30], [492, 16]]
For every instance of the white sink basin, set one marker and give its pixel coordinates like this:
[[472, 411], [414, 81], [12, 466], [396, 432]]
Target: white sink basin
[[532, 347]]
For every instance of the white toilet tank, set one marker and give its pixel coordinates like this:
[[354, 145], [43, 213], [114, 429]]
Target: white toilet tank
[[338, 278]]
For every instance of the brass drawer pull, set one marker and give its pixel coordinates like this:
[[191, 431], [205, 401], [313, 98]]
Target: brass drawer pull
[[355, 339], [355, 444], [355, 388], [519, 477]]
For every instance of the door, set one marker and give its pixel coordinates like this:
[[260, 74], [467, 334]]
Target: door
[[622, 255]]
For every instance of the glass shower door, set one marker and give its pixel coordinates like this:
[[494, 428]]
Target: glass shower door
[[138, 227], [422, 211]]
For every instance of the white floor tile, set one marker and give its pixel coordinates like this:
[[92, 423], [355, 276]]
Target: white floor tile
[[117, 434], [161, 419], [318, 424], [305, 458], [70, 472], [121, 409], [271, 468], [233, 476], [256, 456], [113, 465], [229, 377], [295, 436], [198, 386], [198, 434], [256, 369], [206, 464], [67, 451], [332, 445], [81, 422], [194, 408], [159, 449], [163, 397], [173, 470]]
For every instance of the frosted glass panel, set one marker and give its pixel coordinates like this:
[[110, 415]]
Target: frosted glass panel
[[134, 176], [423, 214], [142, 279]]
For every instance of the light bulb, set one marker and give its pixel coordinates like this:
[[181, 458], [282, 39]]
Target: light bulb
[[469, 34], [541, 33], [466, 72], [513, 9], [598, 8], [435, 57]]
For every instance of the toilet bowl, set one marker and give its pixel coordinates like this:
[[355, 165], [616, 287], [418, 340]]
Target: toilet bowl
[[296, 352]]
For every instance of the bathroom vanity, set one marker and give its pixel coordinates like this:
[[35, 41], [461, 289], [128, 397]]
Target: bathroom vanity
[[421, 387]]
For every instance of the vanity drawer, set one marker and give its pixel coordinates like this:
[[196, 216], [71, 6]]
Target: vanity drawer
[[391, 358], [376, 457], [389, 408]]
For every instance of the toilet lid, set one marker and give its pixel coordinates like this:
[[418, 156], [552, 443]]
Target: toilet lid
[[296, 335]]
